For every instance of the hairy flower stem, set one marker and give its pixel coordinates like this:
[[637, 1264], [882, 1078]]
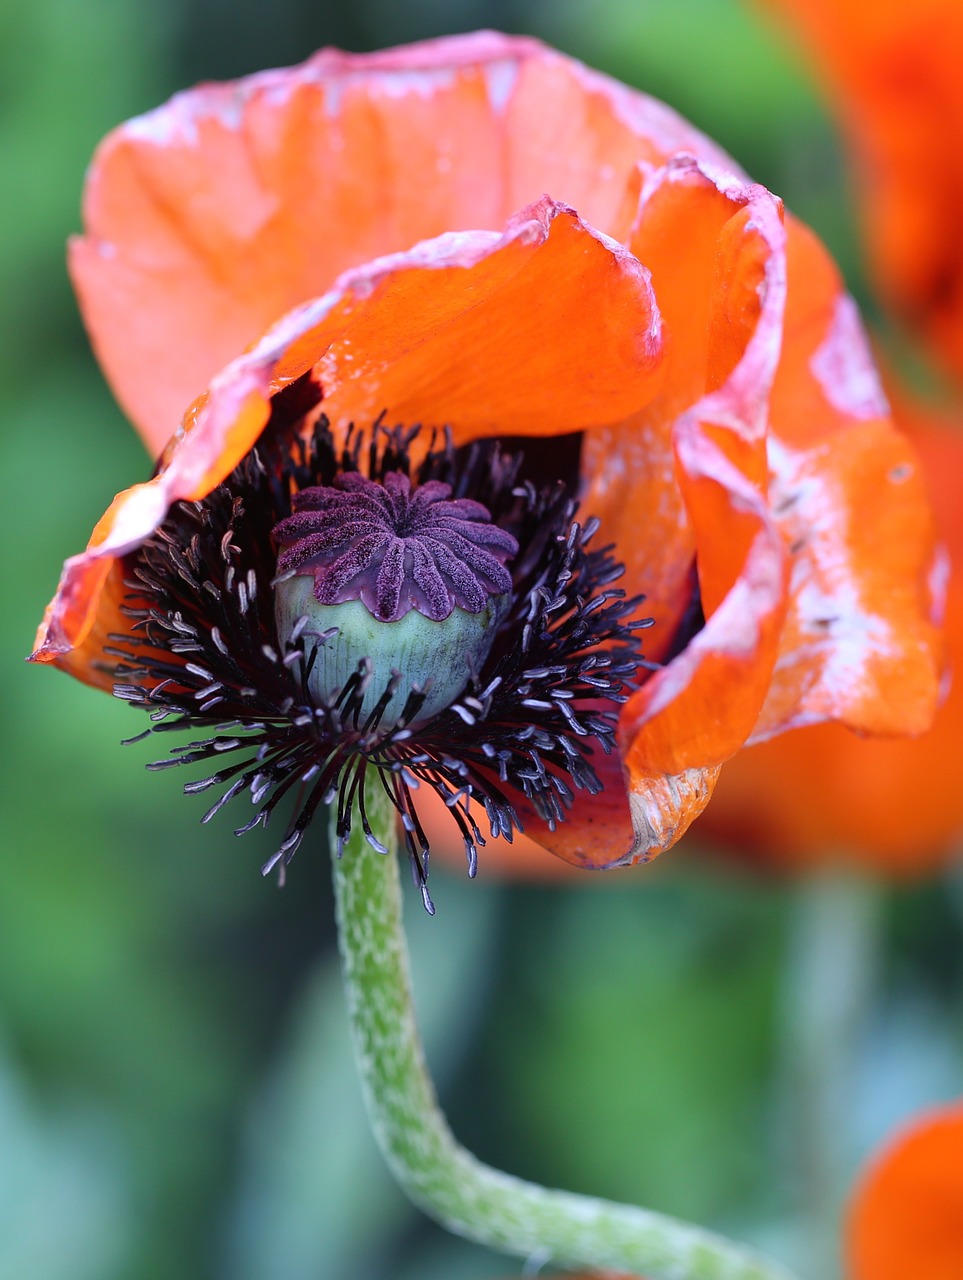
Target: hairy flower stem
[[439, 1175]]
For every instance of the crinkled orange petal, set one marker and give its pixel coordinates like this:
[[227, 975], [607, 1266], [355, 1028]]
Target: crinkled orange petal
[[516, 351], [905, 1219], [892, 72], [212, 216], [616, 828], [716, 252], [861, 641], [635, 817], [487, 332], [822, 793], [629, 468]]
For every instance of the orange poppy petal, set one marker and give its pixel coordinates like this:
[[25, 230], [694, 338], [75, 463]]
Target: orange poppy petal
[[212, 216], [633, 819], [716, 251], [892, 72], [488, 332], [613, 830], [822, 793], [616, 828], [700, 708], [906, 1215], [861, 642], [629, 469], [513, 351]]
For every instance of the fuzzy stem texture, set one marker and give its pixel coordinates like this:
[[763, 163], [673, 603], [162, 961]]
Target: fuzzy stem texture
[[440, 1176]]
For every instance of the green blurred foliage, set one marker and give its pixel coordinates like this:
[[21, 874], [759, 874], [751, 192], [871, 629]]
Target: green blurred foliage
[[685, 980], [176, 1091]]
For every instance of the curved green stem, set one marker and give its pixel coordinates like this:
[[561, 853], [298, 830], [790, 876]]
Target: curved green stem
[[444, 1179]]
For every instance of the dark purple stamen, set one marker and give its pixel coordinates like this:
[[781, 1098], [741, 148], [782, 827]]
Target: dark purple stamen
[[201, 652], [395, 548]]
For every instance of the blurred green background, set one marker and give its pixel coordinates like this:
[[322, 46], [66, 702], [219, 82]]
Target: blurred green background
[[176, 1090]]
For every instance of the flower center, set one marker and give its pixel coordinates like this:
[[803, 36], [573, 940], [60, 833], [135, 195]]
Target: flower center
[[409, 580], [536, 687]]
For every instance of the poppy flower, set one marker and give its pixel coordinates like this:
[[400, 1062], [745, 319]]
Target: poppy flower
[[906, 1213], [626, 367], [891, 73]]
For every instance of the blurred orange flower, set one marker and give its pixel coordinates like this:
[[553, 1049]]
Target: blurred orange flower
[[892, 74], [906, 1215], [375, 228]]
